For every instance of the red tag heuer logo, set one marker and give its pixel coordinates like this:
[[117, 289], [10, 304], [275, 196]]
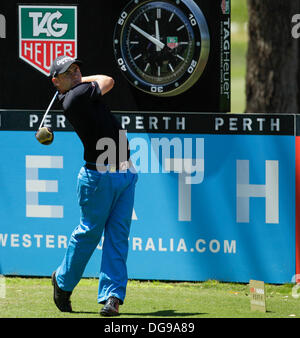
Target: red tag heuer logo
[[172, 41], [45, 32]]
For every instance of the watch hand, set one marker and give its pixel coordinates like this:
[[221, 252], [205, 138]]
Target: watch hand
[[158, 49], [148, 36]]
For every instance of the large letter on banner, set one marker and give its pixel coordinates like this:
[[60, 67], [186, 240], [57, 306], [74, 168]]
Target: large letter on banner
[[269, 191], [34, 186]]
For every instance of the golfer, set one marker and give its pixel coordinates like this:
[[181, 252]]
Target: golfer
[[105, 188]]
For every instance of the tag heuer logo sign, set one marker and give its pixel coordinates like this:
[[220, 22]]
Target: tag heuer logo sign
[[46, 32]]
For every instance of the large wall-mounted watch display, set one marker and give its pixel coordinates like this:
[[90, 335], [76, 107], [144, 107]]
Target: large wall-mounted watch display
[[162, 47], [174, 54]]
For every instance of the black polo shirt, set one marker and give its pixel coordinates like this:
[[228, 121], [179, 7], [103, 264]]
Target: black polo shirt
[[92, 120]]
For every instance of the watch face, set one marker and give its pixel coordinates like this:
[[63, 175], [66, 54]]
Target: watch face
[[162, 47]]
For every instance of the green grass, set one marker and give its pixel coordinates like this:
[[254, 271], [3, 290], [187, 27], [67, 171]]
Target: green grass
[[238, 77], [32, 298], [239, 41], [239, 11], [238, 98]]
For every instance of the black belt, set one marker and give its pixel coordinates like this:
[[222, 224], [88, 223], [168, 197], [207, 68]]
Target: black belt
[[109, 167]]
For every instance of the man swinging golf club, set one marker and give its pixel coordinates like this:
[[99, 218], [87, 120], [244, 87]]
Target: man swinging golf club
[[105, 190]]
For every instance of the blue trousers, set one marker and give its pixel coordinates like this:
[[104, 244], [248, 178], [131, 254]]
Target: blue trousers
[[106, 205]]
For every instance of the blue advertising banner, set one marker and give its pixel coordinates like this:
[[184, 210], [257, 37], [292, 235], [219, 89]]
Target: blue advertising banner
[[217, 205]]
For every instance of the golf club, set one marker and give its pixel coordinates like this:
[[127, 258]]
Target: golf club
[[47, 111], [44, 134]]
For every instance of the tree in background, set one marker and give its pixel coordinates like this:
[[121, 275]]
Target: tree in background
[[272, 80]]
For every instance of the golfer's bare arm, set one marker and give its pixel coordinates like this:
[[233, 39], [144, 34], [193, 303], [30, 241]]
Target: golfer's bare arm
[[105, 83]]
